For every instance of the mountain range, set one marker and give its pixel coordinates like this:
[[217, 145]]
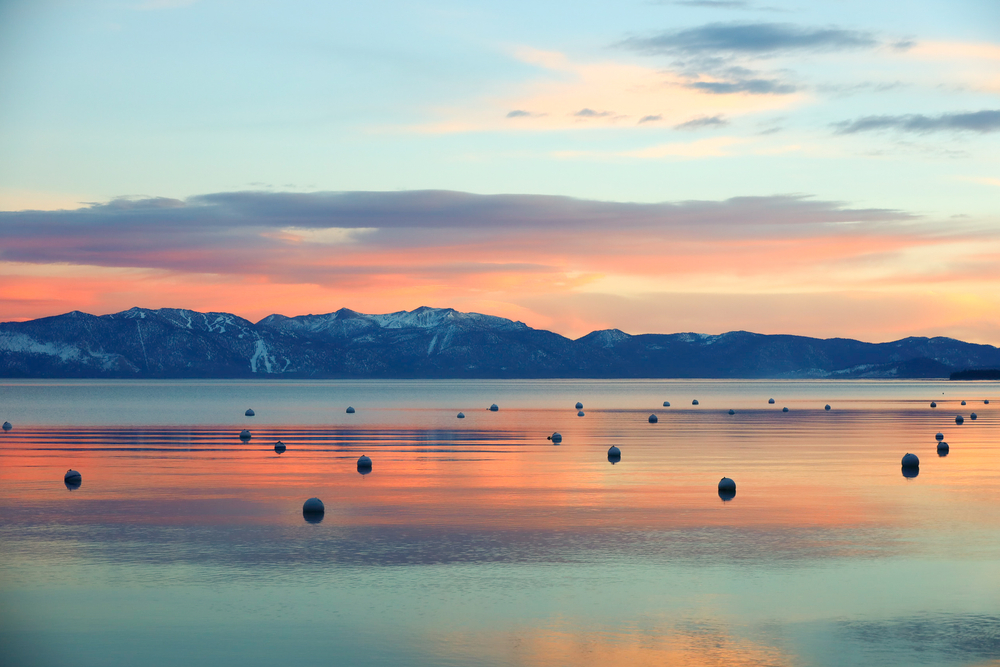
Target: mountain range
[[440, 343]]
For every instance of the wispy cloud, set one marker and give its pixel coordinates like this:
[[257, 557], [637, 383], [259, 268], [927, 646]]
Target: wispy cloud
[[650, 119], [757, 39], [521, 113], [976, 121], [705, 121], [752, 86], [569, 95]]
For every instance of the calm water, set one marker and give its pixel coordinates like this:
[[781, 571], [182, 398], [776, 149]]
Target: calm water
[[479, 542]]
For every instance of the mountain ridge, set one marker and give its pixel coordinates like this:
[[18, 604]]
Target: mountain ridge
[[440, 343]]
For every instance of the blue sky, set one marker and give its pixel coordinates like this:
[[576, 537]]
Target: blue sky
[[864, 105]]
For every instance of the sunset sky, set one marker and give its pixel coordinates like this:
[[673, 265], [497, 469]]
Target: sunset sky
[[825, 169]]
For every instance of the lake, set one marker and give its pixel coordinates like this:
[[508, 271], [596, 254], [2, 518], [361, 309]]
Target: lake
[[478, 541]]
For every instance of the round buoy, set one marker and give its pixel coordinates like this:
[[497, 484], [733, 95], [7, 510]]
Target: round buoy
[[579, 405], [732, 412], [653, 419], [943, 449], [939, 437], [494, 407], [364, 463], [694, 402], [933, 404], [770, 401], [7, 426], [249, 413], [727, 488], [614, 455], [244, 435], [910, 461], [986, 402], [963, 402], [279, 447], [73, 483], [827, 407], [784, 409], [350, 410], [666, 404], [556, 438], [313, 510], [460, 415], [959, 419], [973, 416]]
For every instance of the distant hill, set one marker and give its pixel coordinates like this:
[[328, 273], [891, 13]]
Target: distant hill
[[440, 343]]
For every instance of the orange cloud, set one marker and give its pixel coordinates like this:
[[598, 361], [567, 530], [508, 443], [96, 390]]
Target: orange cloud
[[549, 261]]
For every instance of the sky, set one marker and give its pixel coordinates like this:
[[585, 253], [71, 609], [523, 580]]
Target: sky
[[823, 169]]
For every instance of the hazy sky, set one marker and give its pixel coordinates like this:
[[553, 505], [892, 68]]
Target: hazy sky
[[821, 168]]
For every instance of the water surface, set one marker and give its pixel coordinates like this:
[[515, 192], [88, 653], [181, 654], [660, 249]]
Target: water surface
[[478, 541]]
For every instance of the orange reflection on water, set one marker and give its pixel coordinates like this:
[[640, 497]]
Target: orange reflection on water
[[805, 469], [699, 643]]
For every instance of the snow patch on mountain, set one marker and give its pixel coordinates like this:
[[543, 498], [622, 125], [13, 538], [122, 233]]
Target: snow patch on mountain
[[66, 352], [260, 354]]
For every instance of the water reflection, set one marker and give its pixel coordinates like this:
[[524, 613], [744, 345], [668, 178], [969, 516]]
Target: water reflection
[[480, 543], [910, 472]]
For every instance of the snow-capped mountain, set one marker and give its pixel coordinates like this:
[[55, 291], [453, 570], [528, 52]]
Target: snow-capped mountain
[[438, 343]]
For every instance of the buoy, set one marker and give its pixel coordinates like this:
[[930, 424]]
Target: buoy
[[942, 449], [959, 419], [7, 426], [556, 438], [494, 407], [249, 413], [653, 419], [666, 404], [939, 437], [350, 410], [279, 447], [694, 402], [986, 402], [460, 415], [784, 409], [72, 477], [973, 416], [364, 463], [580, 413], [727, 488], [579, 405], [614, 455], [732, 412], [910, 461], [770, 401], [963, 402], [827, 407], [933, 404], [313, 510], [244, 434]]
